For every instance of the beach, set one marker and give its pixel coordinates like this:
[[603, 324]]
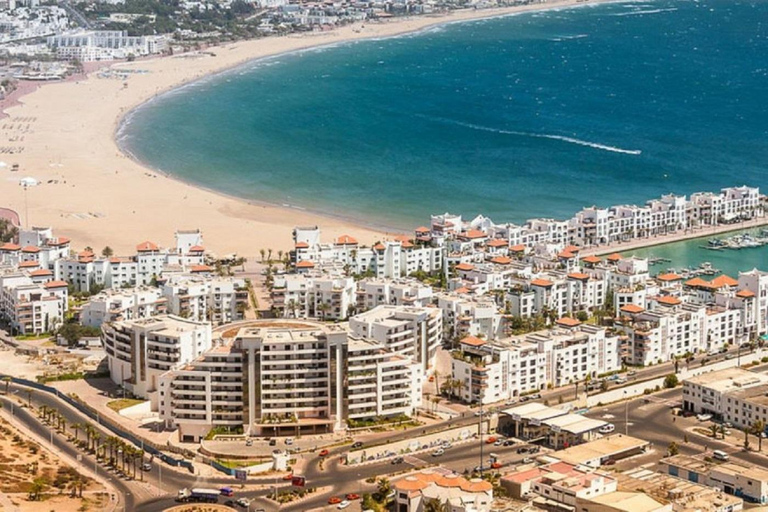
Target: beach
[[92, 192]]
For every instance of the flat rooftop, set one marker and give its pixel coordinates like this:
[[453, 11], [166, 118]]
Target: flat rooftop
[[729, 379], [600, 448]]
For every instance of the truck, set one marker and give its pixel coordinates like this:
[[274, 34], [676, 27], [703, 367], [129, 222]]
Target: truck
[[198, 495]]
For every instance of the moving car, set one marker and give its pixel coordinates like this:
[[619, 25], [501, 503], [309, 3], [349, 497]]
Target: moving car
[[490, 440], [398, 460], [353, 496], [438, 452], [344, 504], [323, 453], [334, 500]]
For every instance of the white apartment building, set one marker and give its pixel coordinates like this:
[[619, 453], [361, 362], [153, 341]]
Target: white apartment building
[[399, 292], [290, 378], [494, 371], [215, 299], [30, 307], [288, 375], [104, 45], [379, 383], [465, 316], [140, 351], [124, 304], [408, 331], [734, 395], [313, 296], [206, 393]]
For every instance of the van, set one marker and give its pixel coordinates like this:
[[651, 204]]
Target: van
[[720, 455]]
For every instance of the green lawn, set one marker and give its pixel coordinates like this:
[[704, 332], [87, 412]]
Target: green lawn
[[118, 405]]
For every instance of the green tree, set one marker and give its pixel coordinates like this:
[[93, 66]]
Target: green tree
[[435, 505], [673, 449], [714, 430], [39, 485], [8, 232], [671, 381], [107, 252], [758, 429]]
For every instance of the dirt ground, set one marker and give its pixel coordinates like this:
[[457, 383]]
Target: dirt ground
[[27, 468]]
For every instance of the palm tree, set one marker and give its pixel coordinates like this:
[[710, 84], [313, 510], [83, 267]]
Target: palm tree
[[76, 427], [722, 431], [385, 487], [280, 255], [38, 486], [713, 428], [436, 375], [262, 252], [435, 505], [269, 255], [758, 428]]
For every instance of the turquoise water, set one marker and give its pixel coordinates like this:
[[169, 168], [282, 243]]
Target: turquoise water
[[532, 115], [691, 253]]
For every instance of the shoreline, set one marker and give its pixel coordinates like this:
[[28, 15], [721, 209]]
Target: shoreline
[[71, 144]]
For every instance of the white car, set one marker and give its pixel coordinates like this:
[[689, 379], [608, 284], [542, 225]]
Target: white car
[[607, 429], [438, 452], [703, 417], [344, 504]]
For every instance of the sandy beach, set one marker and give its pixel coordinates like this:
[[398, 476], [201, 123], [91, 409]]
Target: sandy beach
[[62, 134]]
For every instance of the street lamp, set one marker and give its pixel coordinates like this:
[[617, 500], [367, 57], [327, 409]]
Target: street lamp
[[626, 413]]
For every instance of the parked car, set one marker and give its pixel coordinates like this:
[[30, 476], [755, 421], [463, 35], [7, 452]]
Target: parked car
[[498, 442], [508, 442], [353, 496], [703, 417], [323, 453], [243, 502], [344, 504], [522, 449], [272, 442], [146, 466], [249, 442], [534, 449], [438, 452], [356, 445], [607, 429], [334, 500], [398, 460], [490, 440], [527, 460], [289, 441]]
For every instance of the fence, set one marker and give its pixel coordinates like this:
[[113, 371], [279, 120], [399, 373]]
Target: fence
[[147, 446]]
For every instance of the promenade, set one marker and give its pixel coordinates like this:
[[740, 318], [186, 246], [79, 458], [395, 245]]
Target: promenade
[[688, 234]]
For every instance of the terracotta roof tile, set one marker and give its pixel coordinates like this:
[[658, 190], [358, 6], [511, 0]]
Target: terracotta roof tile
[[464, 267], [146, 247], [542, 282], [473, 341], [632, 308], [305, 264], [568, 322]]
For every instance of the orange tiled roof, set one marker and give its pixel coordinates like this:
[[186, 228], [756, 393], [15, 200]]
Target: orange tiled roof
[[465, 266], [31, 249], [579, 276], [473, 233], [591, 259], [346, 240], [745, 294], [542, 282], [29, 264], [302, 245], [379, 247], [668, 277], [463, 289], [422, 229], [571, 248], [669, 300], [517, 248], [472, 341], [724, 280], [614, 257], [497, 242], [197, 248], [696, 281], [565, 255], [56, 284], [146, 246], [305, 264], [632, 308], [568, 322], [502, 260], [41, 272], [10, 247]]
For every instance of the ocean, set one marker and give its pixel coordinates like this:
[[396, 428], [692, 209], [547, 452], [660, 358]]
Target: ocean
[[532, 115]]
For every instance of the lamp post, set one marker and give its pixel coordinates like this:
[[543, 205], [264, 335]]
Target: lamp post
[[626, 413]]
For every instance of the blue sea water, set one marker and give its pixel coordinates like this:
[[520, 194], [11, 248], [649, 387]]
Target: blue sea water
[[532, 115]]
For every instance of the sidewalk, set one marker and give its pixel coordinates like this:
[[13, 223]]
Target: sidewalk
[[672, 237]]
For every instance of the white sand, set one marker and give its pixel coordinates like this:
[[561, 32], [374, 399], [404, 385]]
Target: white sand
[[109, 199]]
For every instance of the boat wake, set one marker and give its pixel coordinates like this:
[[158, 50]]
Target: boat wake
[[650, 11], [563, 138]]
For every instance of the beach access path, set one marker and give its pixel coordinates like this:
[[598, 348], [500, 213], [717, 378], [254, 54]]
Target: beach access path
[[93, 193], [688, 234]]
